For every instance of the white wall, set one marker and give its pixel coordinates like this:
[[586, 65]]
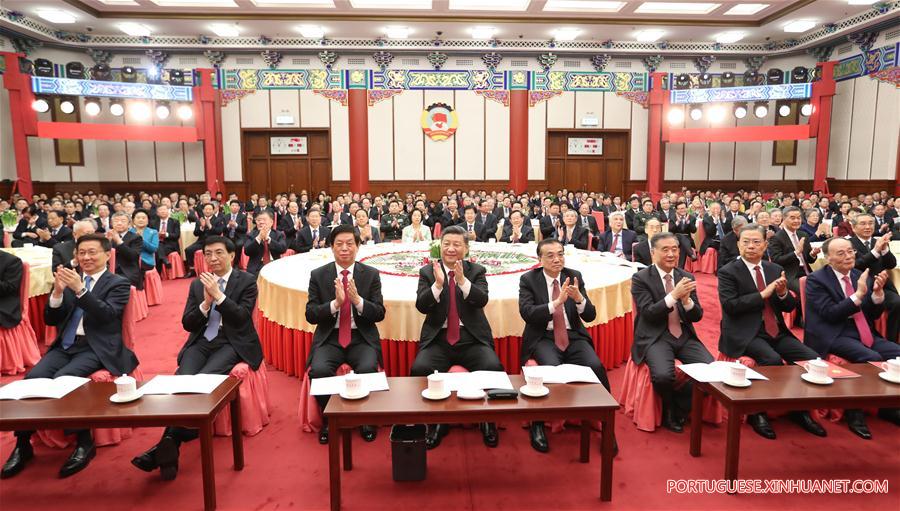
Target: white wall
[[865, 120]]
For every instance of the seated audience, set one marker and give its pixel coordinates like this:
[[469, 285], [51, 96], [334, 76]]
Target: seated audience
[[263, 244]]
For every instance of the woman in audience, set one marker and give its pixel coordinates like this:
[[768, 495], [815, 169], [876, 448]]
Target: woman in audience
[[139, 221], [817, 231], [416, 230], [365, 230]]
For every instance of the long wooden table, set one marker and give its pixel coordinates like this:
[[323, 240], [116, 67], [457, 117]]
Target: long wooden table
[[403, 404], [785, 391], [89, 407]]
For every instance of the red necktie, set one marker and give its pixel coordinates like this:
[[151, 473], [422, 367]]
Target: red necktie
[[344, 323], [768, 315], [560, 336], [674, 320], [452, 313], [865, 333], [266, 256], [615, 243]]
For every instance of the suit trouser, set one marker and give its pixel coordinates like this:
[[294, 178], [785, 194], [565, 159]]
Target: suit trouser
[[162, 252], [892, 306], [329, 356], [769, 351], [660, 358], [78, 360], [467, 352], [579, 352], [189, 252], [684, 248], [204, 357], [855, 351]]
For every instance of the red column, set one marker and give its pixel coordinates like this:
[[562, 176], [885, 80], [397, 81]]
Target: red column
[[518, 140], [23, 118], [823, 92], [654, 135], [209, 129], [358, 116]]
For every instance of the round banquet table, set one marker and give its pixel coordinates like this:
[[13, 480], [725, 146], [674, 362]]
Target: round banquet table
[[40, 261], [187, 237], [286, 336]]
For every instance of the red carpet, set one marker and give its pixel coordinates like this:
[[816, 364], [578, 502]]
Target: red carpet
[[287, 469]]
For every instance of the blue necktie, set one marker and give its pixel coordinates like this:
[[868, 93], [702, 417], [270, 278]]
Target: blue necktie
[[215, 318], [68, 336], [719, 230]]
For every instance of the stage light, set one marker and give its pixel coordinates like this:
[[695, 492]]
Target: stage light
[[101, 73], [753, 78], [799, 75], [696, 112], [152, 74], [676, 115], [716, 113], [775, 77], [740, 110], [760, 109], [43, 67], [162, 110], [705, 81], [67, 106], [176, 77], [40, 105], [185, 112], [806, 110], [129, 75], [139, 110], [683, 81], [26, 67], [784, 110], [75, 70], [92, 106], [116, 107], [727, 79]]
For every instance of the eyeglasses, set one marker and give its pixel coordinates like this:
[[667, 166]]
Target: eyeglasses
[[748, 242]]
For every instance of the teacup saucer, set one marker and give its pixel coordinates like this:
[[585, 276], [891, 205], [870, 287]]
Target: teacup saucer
[[528, 391], [745, 383], [473, 394], [435, 397], [828, 380], [116, 399], [361, 395], [886, 377]]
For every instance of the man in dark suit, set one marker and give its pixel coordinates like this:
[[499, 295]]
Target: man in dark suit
[[488, 220], [235, 227], [475, 230], [642, 250], [291, 222], [209, 224], [56, 231], [64, 253], [587, 221], [128, 247], [728, 248], [617, 239], [517, 229], [554, 305], [713, 228], [684, 225], [734, 211], [218, 315], [754, 293], [87, 311], [667, 307], [873, 252], [551, 221], [571, 232], [345, 304], [634, 207], [451, 215], [263, 244], [10, 281], [790, 248], [169, 230], [842, 306], [27, 228], [312, 235], [452, 295]]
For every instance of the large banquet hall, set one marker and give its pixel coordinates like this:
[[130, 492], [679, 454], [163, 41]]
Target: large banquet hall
[[449, 254]]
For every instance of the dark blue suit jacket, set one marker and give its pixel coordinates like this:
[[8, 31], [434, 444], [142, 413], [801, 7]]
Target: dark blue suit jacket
[[828, 312], [628, 239]]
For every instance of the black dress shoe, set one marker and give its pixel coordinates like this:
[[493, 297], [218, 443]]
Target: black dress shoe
[[146, 461], [17, 460], [671, 422], [81, 456], [323, 434], [856, 421], [539, 437], [891, 415], [166, 457], [434, 435], [760, 423], [368, 433], [489, 432], [808, 423]]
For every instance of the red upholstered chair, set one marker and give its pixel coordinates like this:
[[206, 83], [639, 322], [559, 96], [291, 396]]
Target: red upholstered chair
[[153, 288], [590, 241], [244, 260], [437, 230], [834, 231], [708, 262], [601, 223], [111, 264], [255, 403], [200, 263], [175, 269], [137, 302], [632, 250], [18, 345]]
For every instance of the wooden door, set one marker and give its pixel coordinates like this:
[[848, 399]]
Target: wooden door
[[606, 172], [272, 174]]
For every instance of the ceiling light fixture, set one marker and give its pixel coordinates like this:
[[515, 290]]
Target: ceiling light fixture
[[312, 31], [489, 5], [483, 32], [696, 112], [185, 112], [675, 116], [135, 29], [116, 107], [40, 105], [760, 109], [139, 110], [717, 114], [162, 110], [66, 106], [745, 9], [583, 6], [92, 106], [57, 16], [650, 35], [784, 110], [225, 29], [740, 110], [397, 32], [730, 37], [676, 8], [390, 4], [566, 33], [798, 26], [806, 110]]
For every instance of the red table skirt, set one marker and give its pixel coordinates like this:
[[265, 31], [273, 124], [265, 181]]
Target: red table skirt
[[288, 349], [36, 305]]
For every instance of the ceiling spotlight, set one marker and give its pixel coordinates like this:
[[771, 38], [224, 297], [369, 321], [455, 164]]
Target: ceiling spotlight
[[101, 72], [176, 77], [740, 110], [75, 70], [26, 67], [752, 78], [696, 112], [91, 106], [799, 75], [775, 77], [784, 110], [705, 81], [40, 105], [185, 112], [676, 116], [806, 110], [683, 81], [727, 79], [152, 74], [139, 110], [760, 109], [43, 67], [129, 74], [717, 113], [116, 107], [67, 106], [162, 110]]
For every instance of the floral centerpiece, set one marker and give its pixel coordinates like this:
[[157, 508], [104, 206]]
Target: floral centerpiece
[[180, 216], [407, 263], [10, 219]]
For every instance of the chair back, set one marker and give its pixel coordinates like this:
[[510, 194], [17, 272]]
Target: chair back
[[437, 230], [632, 250], [590, 242], [24, 286], [601, 221], [112, 260], [803, 295]]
